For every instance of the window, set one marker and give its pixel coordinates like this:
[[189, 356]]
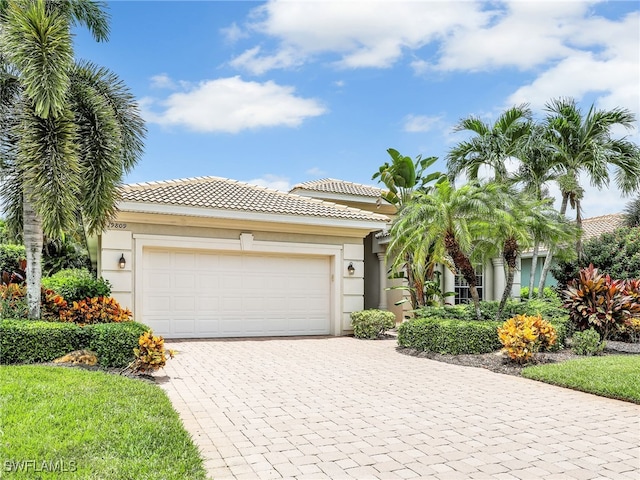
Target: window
[[461, 287]]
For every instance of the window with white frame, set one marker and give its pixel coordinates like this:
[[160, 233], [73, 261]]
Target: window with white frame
[[461, 287]]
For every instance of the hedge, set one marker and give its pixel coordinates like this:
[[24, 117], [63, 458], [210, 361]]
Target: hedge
[[453, 337], [34, 341], [456, 337]]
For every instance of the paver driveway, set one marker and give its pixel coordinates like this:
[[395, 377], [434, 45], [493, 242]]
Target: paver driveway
[[346, 408]]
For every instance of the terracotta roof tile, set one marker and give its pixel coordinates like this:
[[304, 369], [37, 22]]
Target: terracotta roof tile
[[226, 194], [596, 226], [331, 185]]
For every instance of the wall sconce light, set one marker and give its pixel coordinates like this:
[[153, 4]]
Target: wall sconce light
[[122, 262], [351, 269]]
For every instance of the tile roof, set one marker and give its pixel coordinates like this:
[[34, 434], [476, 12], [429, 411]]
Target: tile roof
[[331, 185], [226, 194], [596, 226]]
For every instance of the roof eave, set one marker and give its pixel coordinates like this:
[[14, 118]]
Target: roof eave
[[372, 224]]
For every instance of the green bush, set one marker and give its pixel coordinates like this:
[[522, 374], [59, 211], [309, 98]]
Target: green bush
[[587, 342], [547, 292], [77, 284], [10, 256], [372, 323], [33, 341], [453, 312], [453, 337], [113, 343]]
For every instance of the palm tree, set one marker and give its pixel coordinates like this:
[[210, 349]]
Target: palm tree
[[451, 220], [491, 146], [535, 171], [403, 177], [70, 130], [582, 144]]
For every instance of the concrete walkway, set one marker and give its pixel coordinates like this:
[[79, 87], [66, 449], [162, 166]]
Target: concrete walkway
[[345, 408]]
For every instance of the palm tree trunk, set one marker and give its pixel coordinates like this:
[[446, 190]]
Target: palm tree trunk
[[579, 227], [473, 290], [33, 240], [547, 261], [534, 266], [510, 256], [464, 266]]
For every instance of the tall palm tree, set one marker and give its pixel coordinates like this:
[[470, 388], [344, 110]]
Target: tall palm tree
[[535, 172], [451, 220], [583, 144], [72, 129], [491, 146]]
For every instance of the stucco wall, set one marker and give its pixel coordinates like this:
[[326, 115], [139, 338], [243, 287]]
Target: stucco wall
[[343, 247]]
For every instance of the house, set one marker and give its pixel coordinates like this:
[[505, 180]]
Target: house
[[213, 257], [591, 227]]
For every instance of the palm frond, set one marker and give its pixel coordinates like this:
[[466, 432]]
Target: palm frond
[[39, 45]]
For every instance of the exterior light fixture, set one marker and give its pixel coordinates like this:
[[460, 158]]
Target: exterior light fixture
[[351, 269], [122, 262]]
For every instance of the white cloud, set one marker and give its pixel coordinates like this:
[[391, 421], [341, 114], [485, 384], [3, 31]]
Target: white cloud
[[233, 33], [613, 72], [569, 50], [421, 123], [231, 105], [163, 81], [275, 182], [361, 34], [251, 60]]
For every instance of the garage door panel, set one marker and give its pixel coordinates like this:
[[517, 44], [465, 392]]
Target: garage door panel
[[210, 294]]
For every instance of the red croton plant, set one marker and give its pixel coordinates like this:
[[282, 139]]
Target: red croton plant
[[595, 300]]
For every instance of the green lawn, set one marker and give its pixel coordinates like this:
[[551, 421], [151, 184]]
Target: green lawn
[[614, 376], [89, 425]]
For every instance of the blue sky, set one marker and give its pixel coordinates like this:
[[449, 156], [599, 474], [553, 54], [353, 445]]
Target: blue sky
[[277, 93]]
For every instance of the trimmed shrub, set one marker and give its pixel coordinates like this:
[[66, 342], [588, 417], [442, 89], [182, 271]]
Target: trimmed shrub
[[372, 323], [453, 312], [453, 337], [114, 343], [33, 341], [523, 336], [77, 284], [587, 343]]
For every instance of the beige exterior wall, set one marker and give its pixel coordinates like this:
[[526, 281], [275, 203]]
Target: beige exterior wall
[[131, 233]]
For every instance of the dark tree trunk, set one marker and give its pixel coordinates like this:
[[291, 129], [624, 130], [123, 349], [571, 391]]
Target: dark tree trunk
[[464, 266]]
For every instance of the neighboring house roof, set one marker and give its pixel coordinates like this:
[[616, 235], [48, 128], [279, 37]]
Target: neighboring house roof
[[331, 185], [596, 226], [225, 194]]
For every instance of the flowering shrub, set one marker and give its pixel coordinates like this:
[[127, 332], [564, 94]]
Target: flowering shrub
[[523, 336], [98, 310]]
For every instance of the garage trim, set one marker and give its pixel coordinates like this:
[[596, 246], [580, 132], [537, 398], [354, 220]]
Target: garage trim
[[234, 245]]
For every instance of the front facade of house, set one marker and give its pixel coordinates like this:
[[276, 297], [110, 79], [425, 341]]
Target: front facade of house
[[211, 257]]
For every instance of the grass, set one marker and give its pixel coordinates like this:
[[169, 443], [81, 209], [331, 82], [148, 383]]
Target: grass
[[613, 376], [90, 425]]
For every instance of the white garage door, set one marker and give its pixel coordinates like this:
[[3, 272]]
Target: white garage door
[[198, 294]]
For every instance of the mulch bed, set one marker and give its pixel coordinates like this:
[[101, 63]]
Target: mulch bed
[[499, 363]]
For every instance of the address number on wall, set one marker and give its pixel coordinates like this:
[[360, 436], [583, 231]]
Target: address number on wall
[[117, 226]]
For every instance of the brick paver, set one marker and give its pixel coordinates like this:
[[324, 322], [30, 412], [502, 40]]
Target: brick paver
[[345, 408]]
